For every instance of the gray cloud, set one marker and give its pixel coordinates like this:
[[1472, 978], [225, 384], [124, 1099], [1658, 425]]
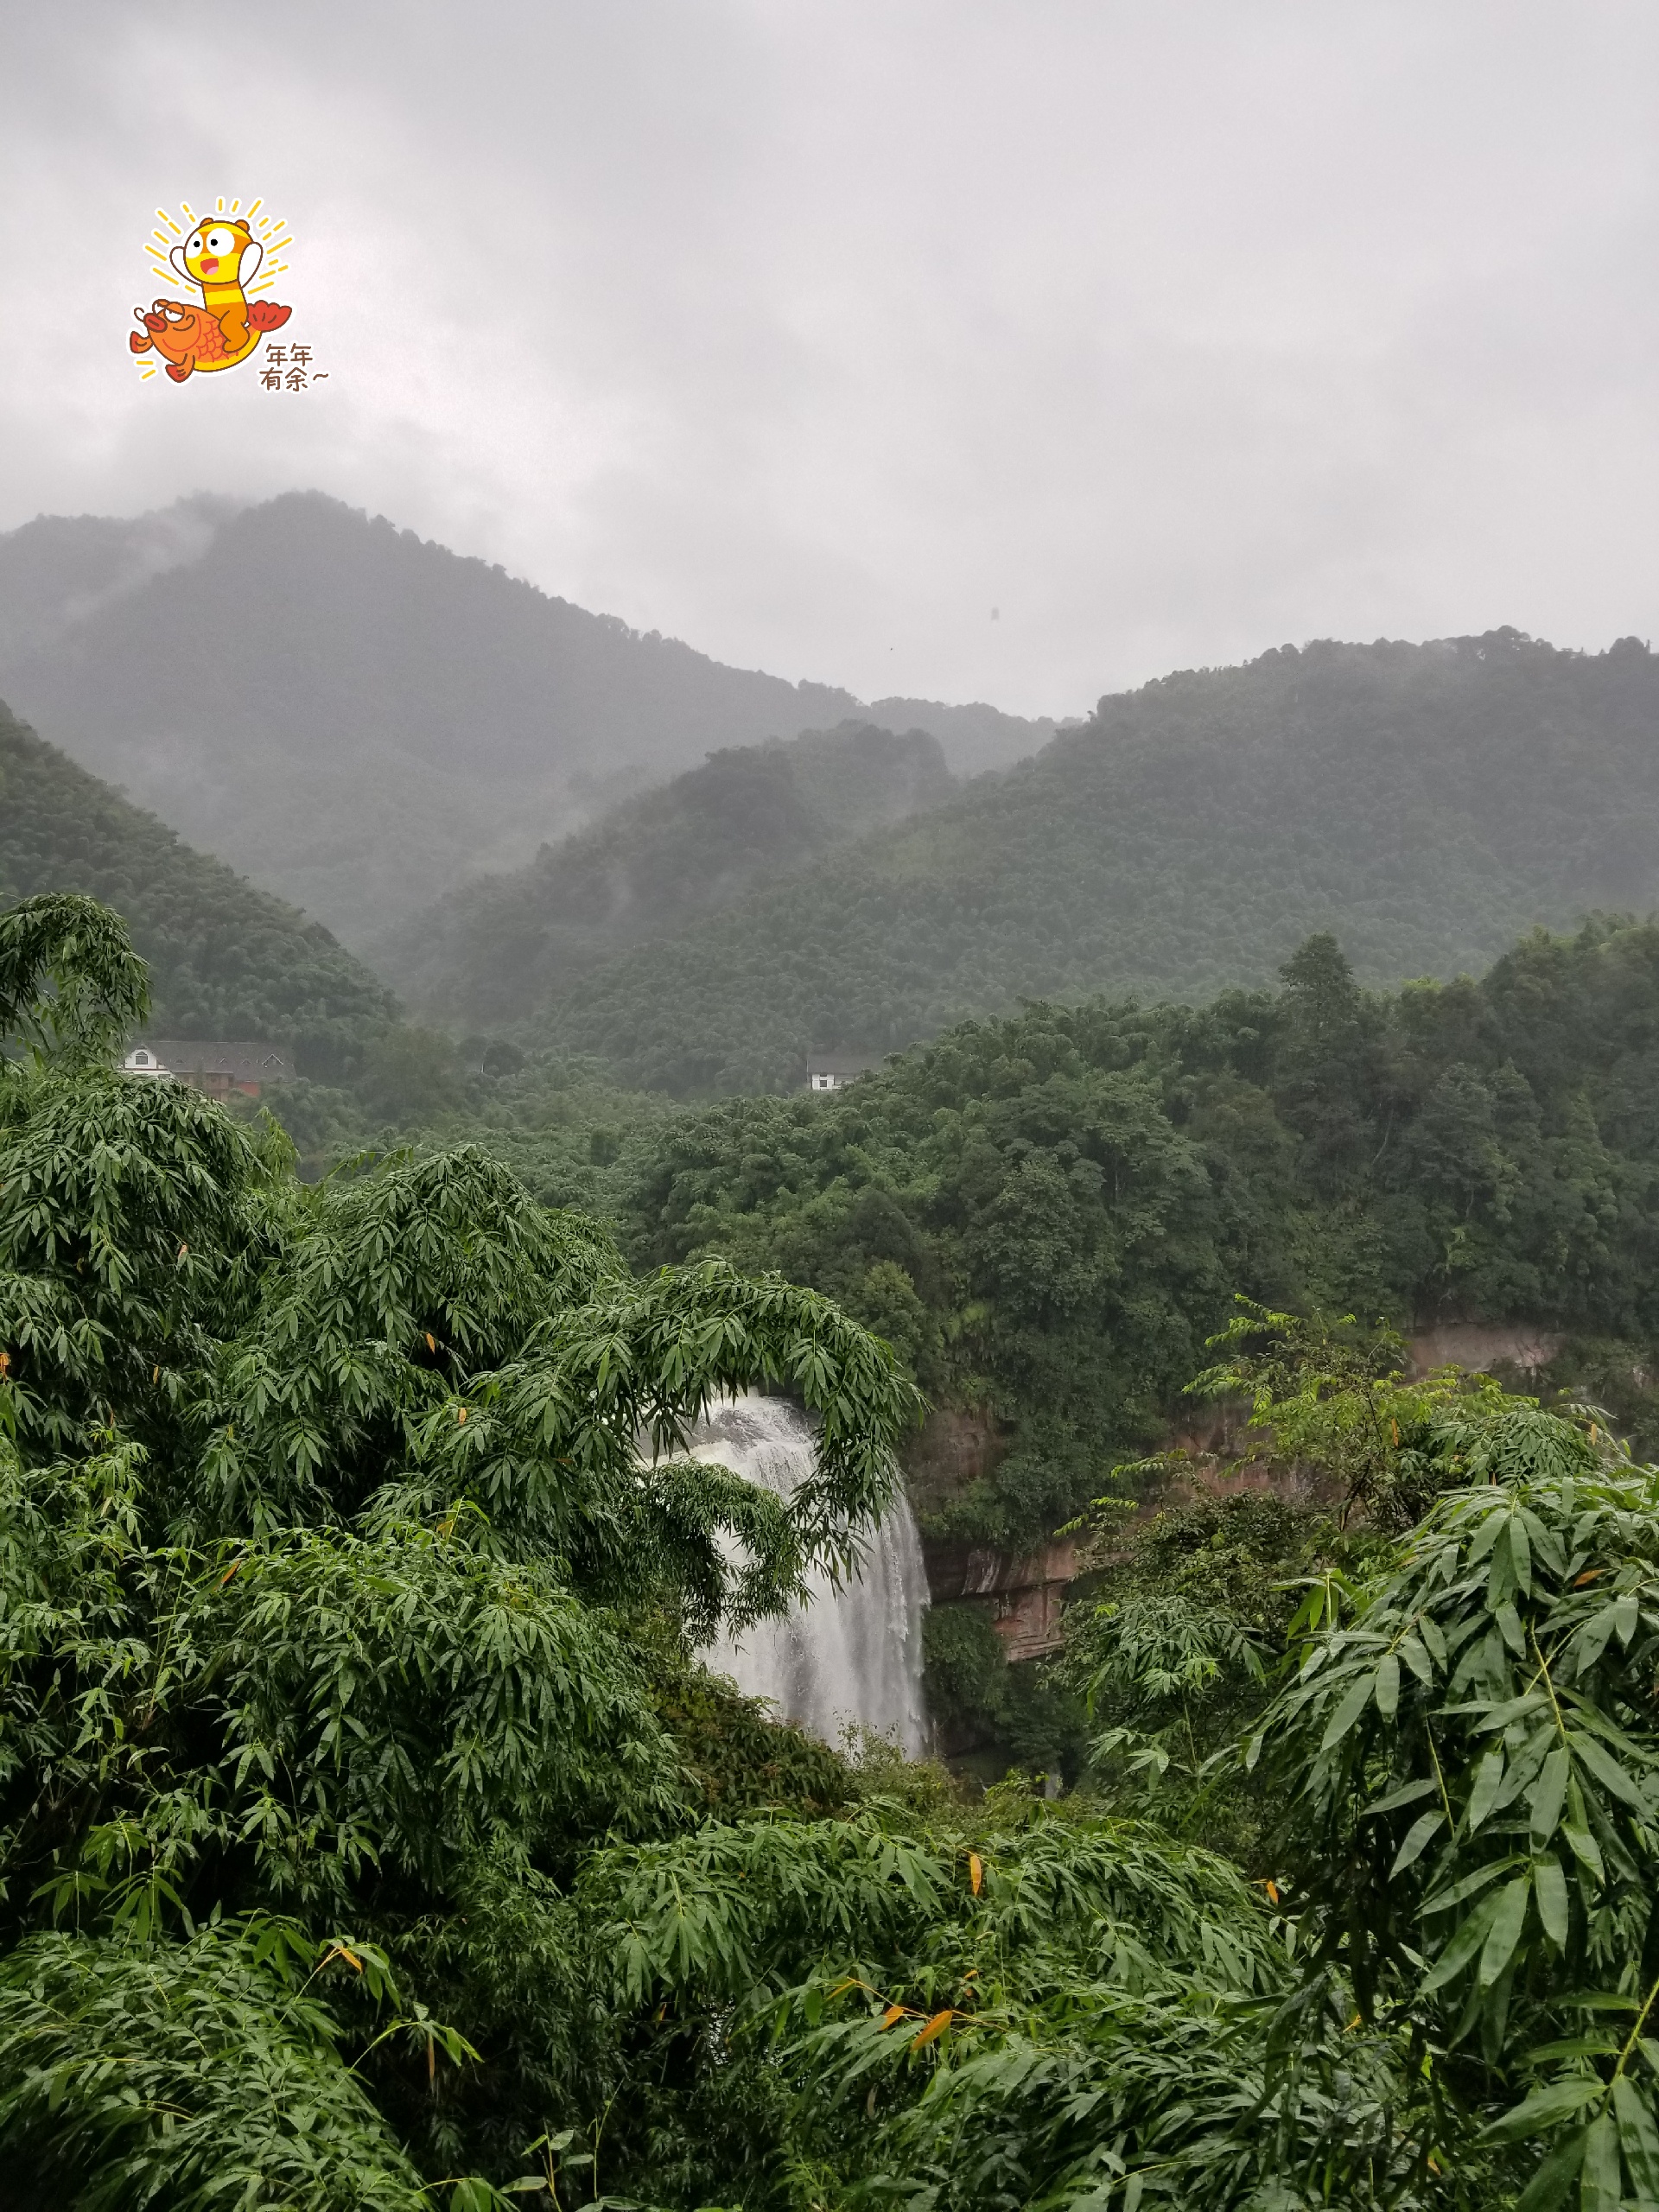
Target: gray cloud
[[809, 330]]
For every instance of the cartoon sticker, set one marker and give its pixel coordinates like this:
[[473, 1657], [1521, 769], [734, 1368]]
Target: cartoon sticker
[[230, 259]]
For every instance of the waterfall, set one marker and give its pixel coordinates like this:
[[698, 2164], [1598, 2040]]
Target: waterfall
[[850, 1655]]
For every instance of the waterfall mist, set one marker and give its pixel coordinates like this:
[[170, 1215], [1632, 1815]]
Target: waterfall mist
[[848, 1655]]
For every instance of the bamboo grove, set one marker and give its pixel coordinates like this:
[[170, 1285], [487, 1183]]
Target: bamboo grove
[[372, 1838]]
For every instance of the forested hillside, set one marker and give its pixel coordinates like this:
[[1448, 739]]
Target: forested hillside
[[59, 571], [1428, 803], [1047, 1215], [227, 960], [372, 1837], [386, 718], [507, 946]]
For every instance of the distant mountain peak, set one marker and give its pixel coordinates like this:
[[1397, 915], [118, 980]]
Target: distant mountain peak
[[402, 718], [1425, 803]]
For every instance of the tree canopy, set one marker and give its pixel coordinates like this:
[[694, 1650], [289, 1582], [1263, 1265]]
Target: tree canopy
[[1425, 803], [1048, 1215], [371, 1836], [347, 1552]]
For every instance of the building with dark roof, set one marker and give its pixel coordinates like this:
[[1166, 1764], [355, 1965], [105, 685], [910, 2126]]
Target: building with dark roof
[[209, 1065]]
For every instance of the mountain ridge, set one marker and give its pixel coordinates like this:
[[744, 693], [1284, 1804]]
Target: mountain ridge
[[1427, 803], [368, 719], [497, 950], [226, 958]]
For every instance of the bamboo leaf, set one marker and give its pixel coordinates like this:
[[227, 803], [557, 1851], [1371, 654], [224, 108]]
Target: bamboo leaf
[[1599, 2188], [1408, 1794], [1357, 1697], [1443, 1900], [1548, 1795], [1549, 1887], [1509, 1710], [1508, 1920], [1465, 1942], [1520, 1553], [1420, 1834], [1586, 1850], [1591, 1639], [1488, 1779], [1638, 2139], [1605, 2045], [1548, 2187], [1387, 1686], [1545, 2108], [1486, 1536], [1606, 1768]]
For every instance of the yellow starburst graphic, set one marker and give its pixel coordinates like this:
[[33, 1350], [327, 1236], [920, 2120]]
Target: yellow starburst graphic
[[234, 258]]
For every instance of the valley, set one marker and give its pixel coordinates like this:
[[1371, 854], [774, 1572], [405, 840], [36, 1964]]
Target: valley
[[1245, 1124], [829, 1109]]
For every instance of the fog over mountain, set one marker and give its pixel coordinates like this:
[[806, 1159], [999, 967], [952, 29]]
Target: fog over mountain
[[1427, 803], [506, 946], [360, 720], [225, 960]]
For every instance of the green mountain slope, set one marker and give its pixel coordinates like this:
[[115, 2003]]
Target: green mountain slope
[[509, 945], [1047, 1215], [396, 718], [1427, 803], [227, 960]]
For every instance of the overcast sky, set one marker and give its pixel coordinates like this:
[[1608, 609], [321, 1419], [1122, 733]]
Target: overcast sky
[[810, 331]]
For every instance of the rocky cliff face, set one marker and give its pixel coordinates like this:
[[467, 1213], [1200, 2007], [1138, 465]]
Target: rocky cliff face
[[1024, 1595]]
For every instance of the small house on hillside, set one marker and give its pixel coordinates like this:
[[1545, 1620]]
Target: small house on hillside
[[206, 1064], [830, 1071]]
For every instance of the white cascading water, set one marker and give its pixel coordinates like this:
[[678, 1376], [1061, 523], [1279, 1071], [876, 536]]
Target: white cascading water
[[852, 1654]]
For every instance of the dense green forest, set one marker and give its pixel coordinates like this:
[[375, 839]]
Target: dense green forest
[[507, 946], [1046, 1216], [1427, 803], [371, 1837], [371, 1833], [228, 960]]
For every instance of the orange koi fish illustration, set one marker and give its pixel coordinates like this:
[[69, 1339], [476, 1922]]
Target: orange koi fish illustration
[[221, 256]]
